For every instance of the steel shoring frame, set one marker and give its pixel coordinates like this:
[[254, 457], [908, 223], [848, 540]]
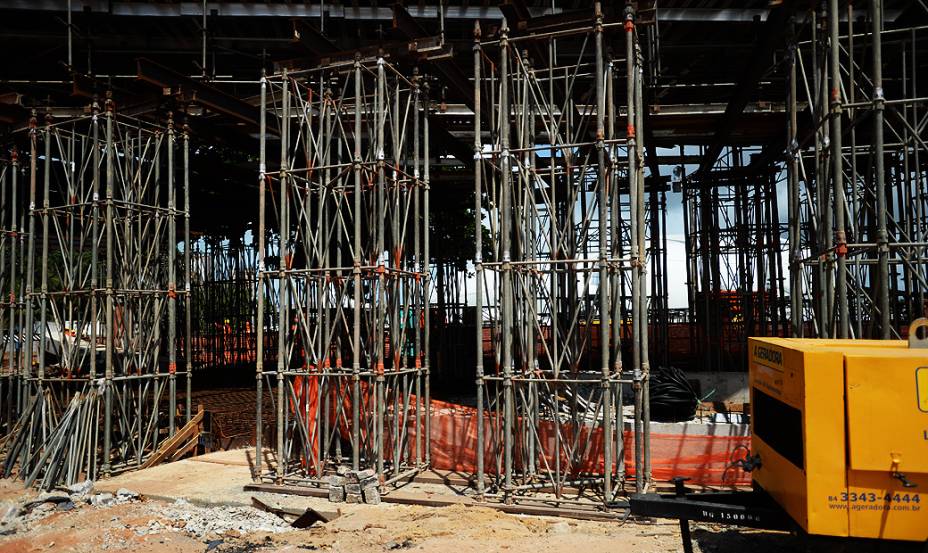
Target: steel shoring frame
[[224, 279], [11, 305], [858, 178], [734, 254], [550, 192], [106, 192], [347, 293]]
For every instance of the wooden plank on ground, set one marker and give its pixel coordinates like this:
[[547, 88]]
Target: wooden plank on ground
[[180, 441]]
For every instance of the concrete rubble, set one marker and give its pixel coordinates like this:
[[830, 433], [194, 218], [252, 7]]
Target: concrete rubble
[[354, 486], [212, 521], [17, 516], [180, 516]]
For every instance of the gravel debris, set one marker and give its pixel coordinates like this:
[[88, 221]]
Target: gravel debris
[[123, 494], [80, 490], [213, 521], [19, 516], [102, 499]]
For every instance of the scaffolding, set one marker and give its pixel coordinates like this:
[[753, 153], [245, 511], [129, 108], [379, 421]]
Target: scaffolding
[[334, 301], [658, 315], [735, 249], [224, 284], [12, 241], [104, 283], [550, 187], [857, 174], [347, 288]]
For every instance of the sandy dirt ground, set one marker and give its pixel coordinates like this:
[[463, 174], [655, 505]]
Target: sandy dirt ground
[[200, 505], [155, 526]]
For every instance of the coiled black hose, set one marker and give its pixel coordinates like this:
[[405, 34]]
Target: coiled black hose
[[673, 398]]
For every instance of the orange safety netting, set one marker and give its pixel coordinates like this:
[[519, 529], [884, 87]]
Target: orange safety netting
[[705, 459], [307, 389]]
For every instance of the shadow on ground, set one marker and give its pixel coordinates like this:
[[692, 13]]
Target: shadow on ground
[[742, 540]]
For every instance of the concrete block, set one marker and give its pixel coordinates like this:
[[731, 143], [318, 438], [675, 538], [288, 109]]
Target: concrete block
[[336, 494], [372, 496], [365, 474], [334, 480]]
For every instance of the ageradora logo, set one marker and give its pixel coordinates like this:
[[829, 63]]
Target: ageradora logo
[[773, 356]]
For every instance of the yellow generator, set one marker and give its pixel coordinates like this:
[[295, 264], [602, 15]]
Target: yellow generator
[[840, 434], [839, 443]]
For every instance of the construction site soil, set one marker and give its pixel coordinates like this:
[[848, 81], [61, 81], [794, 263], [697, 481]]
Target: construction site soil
[[200, 505], [158, 526]]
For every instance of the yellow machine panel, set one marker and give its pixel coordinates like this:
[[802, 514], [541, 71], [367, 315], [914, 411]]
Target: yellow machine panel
[[921, 380], [842, 433], [885, 429]]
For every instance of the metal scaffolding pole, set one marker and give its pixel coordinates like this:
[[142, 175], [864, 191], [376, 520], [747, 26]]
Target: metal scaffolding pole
[[605, 331], [260, 290], [792, 169], [882, 238], [837, 165], [478, 259]]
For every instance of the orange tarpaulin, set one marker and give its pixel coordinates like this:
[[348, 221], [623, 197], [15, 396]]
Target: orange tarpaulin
[[310, 387], [704, 459]]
